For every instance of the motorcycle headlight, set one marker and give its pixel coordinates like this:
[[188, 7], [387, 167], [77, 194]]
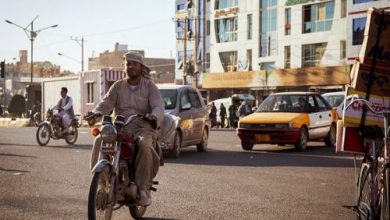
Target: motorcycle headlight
[[108, 133]]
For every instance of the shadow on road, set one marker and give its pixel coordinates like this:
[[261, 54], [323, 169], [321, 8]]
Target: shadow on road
[[75, 146], [312, 157], [11, 170], [15, 155]]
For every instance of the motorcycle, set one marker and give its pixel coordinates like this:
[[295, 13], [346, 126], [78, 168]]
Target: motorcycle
[[113, 161], [52, 128]]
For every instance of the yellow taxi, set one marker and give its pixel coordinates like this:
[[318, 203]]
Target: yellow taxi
[[289, 118]]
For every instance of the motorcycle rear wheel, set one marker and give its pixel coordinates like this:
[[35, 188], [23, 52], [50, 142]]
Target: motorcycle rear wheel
[[99, 206], [43, 134], [137, 211], [72, 137]]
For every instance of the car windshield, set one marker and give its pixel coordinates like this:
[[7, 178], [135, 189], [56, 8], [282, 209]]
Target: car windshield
[[284, 103], [334, 100], [169, 97]]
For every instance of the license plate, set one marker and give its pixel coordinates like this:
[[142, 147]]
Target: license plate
[[262, 138]]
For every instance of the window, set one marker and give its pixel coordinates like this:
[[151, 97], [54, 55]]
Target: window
[[226, 29], [249, 26], [228, 60], [267, 66], [361, 1], [312, 54], [221, 4], [90, 92], [249, 59], [208, 60], [343, 8], [208, 28], [185, 100], [343, 46], [287, 25], [318, 17], [322, 106], [195, 101], [358, 26], [268, 31], [180, 7], [287, 57]]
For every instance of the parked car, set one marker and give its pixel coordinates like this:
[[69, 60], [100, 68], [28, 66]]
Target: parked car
[[289, 118], [185, 103], [336, 99]]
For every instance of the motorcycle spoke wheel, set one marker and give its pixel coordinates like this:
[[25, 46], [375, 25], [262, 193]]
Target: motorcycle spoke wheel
[[71, 138], [364, 199], [99, 205], [43, 134]]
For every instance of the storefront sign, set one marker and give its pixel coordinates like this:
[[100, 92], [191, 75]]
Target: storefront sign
[[226, 12]]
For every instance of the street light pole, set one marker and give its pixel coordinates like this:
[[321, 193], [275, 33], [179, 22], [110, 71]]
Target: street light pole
[[81, 43], [31, 34]]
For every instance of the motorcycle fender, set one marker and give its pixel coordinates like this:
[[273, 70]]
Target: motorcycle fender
[[44, 122], [100, 166]]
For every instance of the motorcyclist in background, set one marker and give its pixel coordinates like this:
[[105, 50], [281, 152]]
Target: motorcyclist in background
[[137, 94], [65, 109]]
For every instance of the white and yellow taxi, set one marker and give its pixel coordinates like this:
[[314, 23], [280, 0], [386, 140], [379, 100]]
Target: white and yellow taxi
[[289, 118]]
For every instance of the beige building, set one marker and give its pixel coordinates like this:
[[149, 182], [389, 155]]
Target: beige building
[[162, 69]]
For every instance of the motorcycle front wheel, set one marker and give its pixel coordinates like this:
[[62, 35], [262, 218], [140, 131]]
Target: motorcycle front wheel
[[100, 198], [137, 211], [43, 134], [72, 136]]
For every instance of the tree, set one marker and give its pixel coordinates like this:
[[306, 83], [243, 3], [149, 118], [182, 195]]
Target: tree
[[17, 105]]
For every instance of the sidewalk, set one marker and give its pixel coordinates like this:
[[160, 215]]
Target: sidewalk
[[18, 122]]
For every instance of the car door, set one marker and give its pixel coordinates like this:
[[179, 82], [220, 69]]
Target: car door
[[186, 122], [320, 117], [198, 114]]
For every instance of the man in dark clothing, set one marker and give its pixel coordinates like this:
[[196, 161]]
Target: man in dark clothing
[[222, 114], [233, 119], [213, 115]]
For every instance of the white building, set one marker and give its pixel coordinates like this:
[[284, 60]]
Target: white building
[[357, 10]]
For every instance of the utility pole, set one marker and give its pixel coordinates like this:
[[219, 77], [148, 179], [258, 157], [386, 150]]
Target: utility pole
[[185, 51], [81, 43]]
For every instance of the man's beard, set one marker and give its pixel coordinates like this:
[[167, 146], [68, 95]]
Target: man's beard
[[133, 75]]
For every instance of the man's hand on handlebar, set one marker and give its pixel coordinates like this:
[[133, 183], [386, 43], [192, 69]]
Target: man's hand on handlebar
[[91, 117], [152, 119]]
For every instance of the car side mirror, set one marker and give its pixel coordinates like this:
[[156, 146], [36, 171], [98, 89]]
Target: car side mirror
[[186, 106]]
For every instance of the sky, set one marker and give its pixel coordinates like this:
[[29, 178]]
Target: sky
[[141, 24]]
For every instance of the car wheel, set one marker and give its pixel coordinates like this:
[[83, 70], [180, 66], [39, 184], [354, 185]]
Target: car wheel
[[175, 153], [246, 145], [202, 146], [302, 140], [330, 140]]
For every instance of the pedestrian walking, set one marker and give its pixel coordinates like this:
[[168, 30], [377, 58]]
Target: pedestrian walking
[[222, 114]]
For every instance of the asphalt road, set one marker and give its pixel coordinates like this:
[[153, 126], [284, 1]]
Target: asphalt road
[[269, 182]]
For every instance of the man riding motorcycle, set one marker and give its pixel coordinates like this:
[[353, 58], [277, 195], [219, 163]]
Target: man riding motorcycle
[[136, 94]]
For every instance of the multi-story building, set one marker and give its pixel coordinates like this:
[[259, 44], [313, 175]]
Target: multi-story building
[[192, 41], [357, 14], [258, 46]]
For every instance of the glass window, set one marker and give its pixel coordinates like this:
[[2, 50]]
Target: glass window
[[226, 29], [287, 25], [208, 60], [321, 104], [361, 1], [311, 102], [90, 92], [249, 59], [343, 46], [195, 101], [208, 28], [249, 27], [221, 4], [343, 8], [184, 100], [228, 60], [318, 17], [169, 97], [268, 28], [287, 57], [180, 7], [358, 25], [312, 54]]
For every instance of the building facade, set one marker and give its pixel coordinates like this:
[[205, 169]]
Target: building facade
[[260, 46], [162, 69], [357, 10]]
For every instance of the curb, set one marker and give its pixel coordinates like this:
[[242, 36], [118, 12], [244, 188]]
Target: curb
[[18, 122]]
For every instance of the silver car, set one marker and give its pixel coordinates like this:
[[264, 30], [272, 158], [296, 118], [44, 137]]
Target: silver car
[[186, 114]]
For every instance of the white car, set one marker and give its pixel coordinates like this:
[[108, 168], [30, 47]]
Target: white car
[[336, 99]]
